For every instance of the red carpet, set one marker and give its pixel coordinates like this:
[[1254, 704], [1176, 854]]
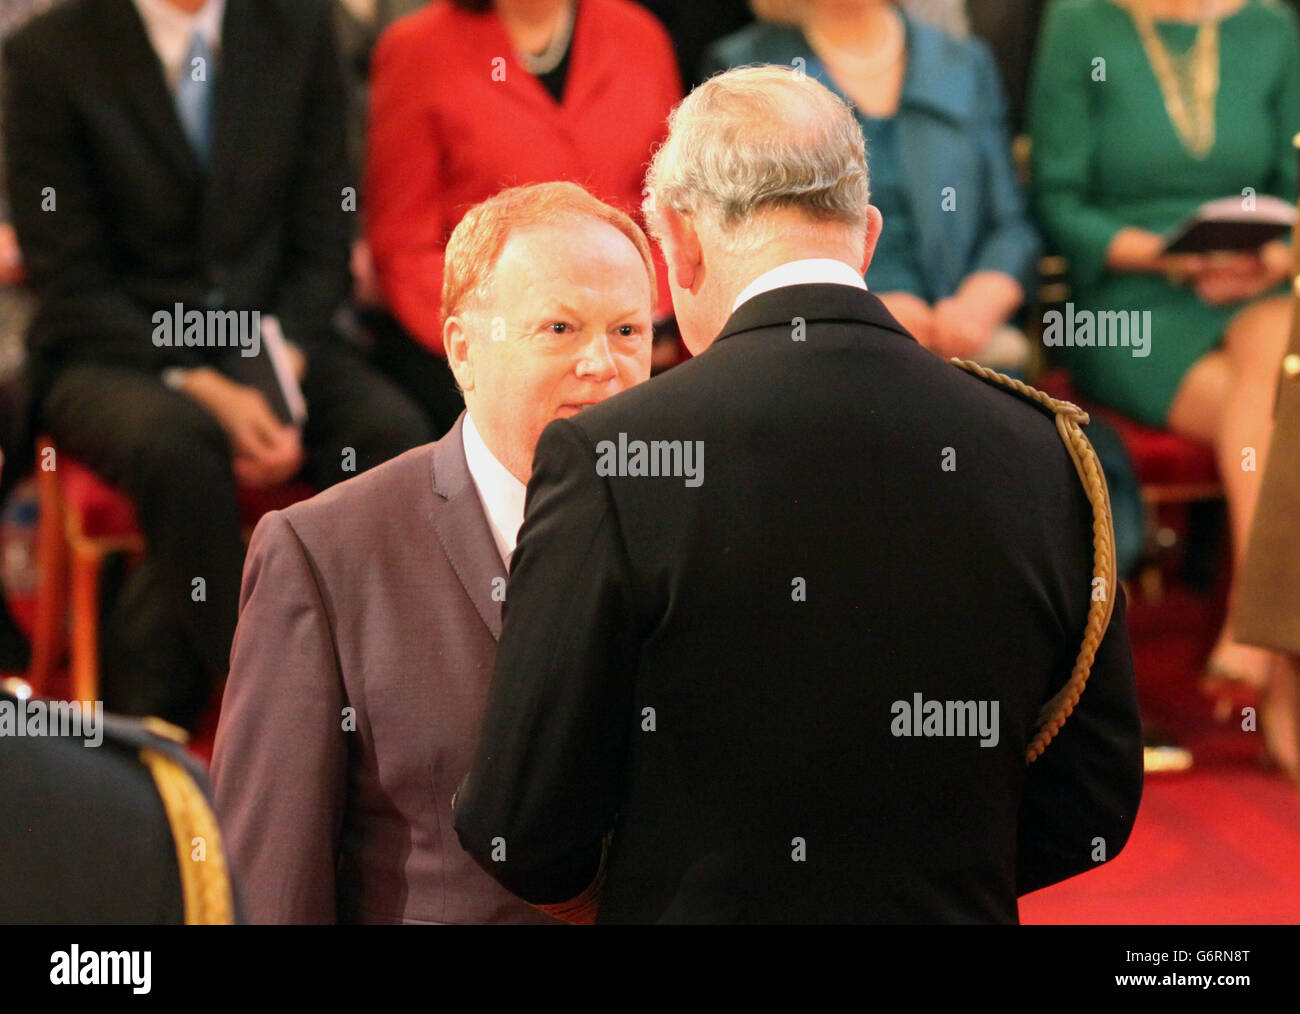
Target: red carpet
[[1218, 846]]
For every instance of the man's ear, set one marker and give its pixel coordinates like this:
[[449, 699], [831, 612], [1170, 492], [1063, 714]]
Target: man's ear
[[875, 222], [681, 248], [455, 340]]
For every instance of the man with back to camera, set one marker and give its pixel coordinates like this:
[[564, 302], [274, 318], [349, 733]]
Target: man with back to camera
[[781, 622]]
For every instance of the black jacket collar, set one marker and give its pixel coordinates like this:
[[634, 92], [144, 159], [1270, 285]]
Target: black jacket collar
[[819, 301]]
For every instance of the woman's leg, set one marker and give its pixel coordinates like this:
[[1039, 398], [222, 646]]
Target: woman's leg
[[1227, 400], [1280, 721]]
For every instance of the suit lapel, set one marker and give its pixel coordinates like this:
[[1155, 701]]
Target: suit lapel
[[590, 66], [142, 84], [243, 60], [238, 76], [462, 528]]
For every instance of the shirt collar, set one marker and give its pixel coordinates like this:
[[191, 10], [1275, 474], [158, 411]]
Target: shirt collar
[[809, 271], [171, 29], [501, 494]]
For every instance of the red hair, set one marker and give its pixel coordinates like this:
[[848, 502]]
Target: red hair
[[477, 241]]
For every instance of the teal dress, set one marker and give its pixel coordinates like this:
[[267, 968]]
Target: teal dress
[[894, 266], [1106, 156]]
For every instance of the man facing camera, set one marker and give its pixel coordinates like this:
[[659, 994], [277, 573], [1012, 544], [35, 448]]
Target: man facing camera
[[369, 614], [781, 621], [177, 175]]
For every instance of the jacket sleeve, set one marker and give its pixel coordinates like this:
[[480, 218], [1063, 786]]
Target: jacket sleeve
[[279, 766], [63, 235], [545, 784], [1081, 795], [1011, 245], [1286, 107], [1064, 140], [406, 218], [319, 230]]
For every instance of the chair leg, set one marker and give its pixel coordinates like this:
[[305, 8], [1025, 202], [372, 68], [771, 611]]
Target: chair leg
[[86, 564], [50, 632]]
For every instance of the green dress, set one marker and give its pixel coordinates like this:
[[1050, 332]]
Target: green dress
[[1106, 155]]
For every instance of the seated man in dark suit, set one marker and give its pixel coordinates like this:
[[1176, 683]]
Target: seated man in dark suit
[[782, 621], [177, 172], [370, 613]]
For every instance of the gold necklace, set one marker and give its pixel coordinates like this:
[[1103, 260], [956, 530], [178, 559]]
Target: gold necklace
[[1188, 81]]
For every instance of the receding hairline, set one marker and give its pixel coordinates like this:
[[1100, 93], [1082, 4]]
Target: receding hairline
[[755, 140], [474, 248], [562, 219], [768, 88]]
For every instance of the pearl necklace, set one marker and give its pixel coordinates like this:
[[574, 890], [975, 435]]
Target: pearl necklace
[[549, 58]]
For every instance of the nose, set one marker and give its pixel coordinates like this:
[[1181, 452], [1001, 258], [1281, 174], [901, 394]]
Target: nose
[[596, 361]]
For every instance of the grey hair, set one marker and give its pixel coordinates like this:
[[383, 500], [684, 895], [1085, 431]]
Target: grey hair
[[759, 138]]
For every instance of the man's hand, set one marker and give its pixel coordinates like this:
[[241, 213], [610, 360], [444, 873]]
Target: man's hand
[[266, 452]]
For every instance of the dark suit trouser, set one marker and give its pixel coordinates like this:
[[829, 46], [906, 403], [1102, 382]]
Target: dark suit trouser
[[161, 648]]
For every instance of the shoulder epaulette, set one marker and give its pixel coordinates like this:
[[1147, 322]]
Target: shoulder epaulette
[[205, 878], [206, 889], [1070, 420]]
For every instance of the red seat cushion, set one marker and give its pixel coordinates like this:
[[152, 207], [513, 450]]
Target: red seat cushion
[[106, 512], [1159, 457]]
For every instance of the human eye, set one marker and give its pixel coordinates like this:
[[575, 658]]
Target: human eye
[[558, 332]]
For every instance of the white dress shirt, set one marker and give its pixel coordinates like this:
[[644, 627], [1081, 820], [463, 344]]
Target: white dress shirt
[[501, 494], [810, 271], [170, 30]]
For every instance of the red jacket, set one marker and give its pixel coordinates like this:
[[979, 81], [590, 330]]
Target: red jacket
[[447, 131]]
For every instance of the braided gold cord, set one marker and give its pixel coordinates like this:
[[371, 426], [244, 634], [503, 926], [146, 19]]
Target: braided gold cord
[[1070, 420], [205, 885]]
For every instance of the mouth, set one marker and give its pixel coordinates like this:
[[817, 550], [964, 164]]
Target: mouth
[[571, 408]]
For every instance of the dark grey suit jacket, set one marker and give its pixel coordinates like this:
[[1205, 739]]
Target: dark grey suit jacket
[[360, 668]]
